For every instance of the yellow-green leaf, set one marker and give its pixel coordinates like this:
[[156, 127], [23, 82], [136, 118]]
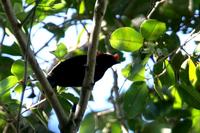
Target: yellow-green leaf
[[192, 72], [170, 72], [126, 39], [152, 29], [17, 69]]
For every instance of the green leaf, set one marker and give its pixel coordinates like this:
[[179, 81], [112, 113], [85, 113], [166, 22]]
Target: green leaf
[[134, 72], [192, 72], [195, 120], [171, 42], [155, 127], [70, 97], [60, 51], [170, 72], [158, 88], [82, 7], [152, 29], [126, 39], [177, 99], [52, 6], [168, 11], [165, 73], [7, 83], [5, 86], [116, 128], [11, 50], [5, 66], [65, 103], [182, 126], [158, 68], [17, 69], [189, 94], [135, 99], [177, 61], [88, 124], [198, 76], [135, 124], [18, 89], [3, 122]]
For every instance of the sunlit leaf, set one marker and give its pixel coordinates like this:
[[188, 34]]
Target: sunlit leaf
[[126, 39], [5, 86], [82, 7], [18, 69], [192, 72], [60, 51], [116, 127], [88, 124], [52, 6], [7, 83], [135, 99], [195, 120], [18, 89], [152, 29], [177, 98]]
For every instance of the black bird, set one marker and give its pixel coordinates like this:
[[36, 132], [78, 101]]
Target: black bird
[[70, 73]]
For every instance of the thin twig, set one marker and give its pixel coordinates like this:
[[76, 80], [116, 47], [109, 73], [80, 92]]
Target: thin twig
[[154, 8], [116, 103], [105, 112], [34, 105], [88, 33], [46, 44], [25, 69]]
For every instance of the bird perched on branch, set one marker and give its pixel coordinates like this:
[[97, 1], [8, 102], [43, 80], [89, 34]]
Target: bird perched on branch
[[71, 71]]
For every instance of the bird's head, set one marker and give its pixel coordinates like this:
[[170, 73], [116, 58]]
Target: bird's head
[[107, 60]]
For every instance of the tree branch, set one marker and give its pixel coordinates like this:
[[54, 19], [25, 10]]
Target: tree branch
[[22, 40], [154, 8], [117, 104], [99, 11]]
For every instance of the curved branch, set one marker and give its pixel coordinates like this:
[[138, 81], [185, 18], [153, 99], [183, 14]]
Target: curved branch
[[22, 40]]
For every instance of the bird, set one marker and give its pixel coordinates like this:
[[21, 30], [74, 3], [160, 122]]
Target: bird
[[71, 72]]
